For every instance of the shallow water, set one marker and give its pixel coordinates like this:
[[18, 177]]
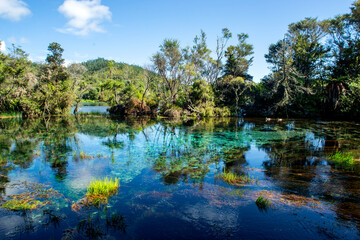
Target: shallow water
[[168, 172], [100, 108]]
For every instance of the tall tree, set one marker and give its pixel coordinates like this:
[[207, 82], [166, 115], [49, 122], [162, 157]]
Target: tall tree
[[238, 58], [305, 39], [215, 66], [284, 81], [55, 89], [55, 55], [168, 64], [77, 74]]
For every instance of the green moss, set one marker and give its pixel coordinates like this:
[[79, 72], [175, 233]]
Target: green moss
[[20, 205], [99, 191], [262, 202]]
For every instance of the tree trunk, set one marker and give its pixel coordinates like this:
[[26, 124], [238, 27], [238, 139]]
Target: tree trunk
[[116, 97], [76, 107]]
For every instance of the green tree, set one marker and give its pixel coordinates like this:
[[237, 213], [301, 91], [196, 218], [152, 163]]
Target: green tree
[[238, 58], [55, 55], [54, 93], [77, 75], [305, 39], [285, 82], [168, 62]]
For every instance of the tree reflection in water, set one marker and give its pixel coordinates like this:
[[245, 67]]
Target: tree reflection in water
[[182, 153]]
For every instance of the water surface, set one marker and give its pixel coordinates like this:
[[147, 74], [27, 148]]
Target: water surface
[[100, 108], [168, 171]]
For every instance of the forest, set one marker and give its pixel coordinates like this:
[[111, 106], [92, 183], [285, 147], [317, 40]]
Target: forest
[[315, 73]]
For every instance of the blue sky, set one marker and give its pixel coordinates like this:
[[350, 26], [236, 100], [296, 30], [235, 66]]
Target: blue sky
[[131, 30]]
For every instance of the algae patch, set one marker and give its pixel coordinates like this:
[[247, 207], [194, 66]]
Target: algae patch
[[34, 196]]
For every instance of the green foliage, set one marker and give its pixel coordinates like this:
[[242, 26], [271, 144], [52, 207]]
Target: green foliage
[[314, 72], [201, 92], [235, 179], [100, 190], [222, 112], [237, 58], [262, 202], [343, 160], [38, 89], [21, 205], [55, 56]]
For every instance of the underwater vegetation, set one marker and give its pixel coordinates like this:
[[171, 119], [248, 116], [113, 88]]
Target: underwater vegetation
[[53, 217], [85, 156], [23, 204], [342, 160], [262, 202], [236, 193], [36, 195], [234, 179], [191, 166], [96, 226], [116, 222]]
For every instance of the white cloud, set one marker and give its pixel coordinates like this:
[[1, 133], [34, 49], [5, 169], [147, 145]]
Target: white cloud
[[68, 62], [13, 9], [2, 46], [85, 16]]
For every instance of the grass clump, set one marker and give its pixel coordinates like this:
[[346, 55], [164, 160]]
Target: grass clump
[[100, 190], [22, 205], [233, 178], [262, 202], [344, 160]]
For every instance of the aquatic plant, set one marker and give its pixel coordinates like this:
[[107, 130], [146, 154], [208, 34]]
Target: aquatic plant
[[52, 218], [36, 195], [23, 204], [100, 190], [262, 202], [91, 229], [233, 178], [116, 221], [237, 193], [344, 160], [85, 156]]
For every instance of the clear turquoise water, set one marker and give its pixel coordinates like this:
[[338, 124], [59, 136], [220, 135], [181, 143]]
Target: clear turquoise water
[[100, 108], [168, 171]]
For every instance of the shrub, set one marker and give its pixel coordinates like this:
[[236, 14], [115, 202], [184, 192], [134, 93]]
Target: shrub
[[222, 112], [174, 112]]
